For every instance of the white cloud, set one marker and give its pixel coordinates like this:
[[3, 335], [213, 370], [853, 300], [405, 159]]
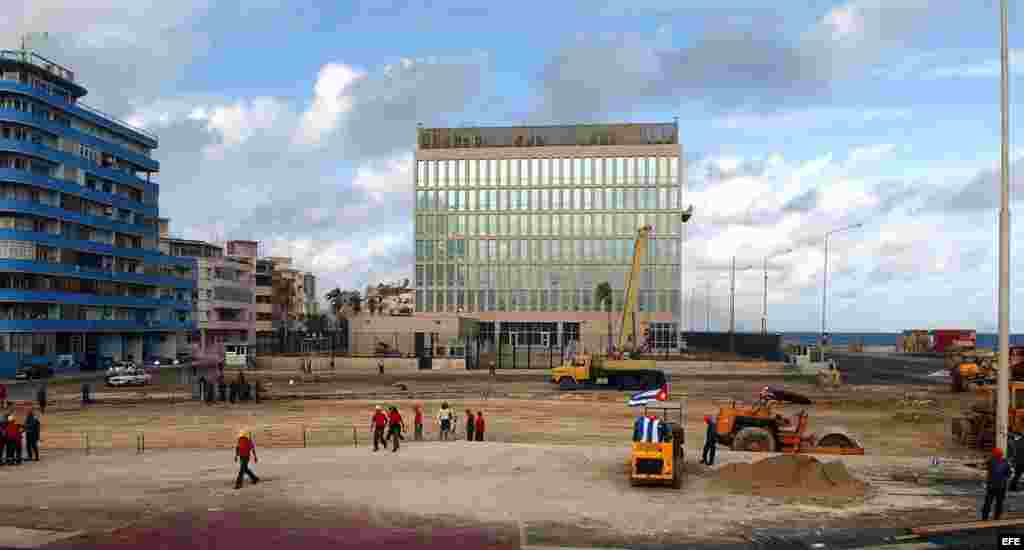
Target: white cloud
[[808, 119], [869, 153], [331, 101], [395, 176]]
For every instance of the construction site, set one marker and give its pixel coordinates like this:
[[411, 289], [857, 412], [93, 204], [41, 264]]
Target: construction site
[[870, 448], [554, 467]]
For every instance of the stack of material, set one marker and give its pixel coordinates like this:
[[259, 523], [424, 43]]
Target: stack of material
[[791, 476]]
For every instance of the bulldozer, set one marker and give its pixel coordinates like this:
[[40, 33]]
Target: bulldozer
[[969, 368], [661, 463], [976, 429], [760, 428]]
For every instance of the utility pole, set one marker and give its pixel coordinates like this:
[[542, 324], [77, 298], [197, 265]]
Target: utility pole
[[732, 297], [707, 306], [1003, 377], [824, 286], [764, 310]]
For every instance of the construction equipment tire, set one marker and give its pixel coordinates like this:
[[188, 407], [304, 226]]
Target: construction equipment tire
[[837, 440], [754, 440]]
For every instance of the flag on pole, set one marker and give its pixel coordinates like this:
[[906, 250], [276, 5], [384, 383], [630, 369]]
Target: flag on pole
[[645, 397]]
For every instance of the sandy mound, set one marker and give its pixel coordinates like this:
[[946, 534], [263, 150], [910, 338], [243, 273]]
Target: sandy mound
[[791, 476]]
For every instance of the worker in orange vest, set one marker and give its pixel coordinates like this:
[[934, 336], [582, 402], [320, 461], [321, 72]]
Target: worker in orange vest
[[243, 451]]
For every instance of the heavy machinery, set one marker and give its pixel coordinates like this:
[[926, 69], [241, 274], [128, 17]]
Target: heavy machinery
[[970, 368], [761, 428], [976, 429], [661, 463], [585, 369]]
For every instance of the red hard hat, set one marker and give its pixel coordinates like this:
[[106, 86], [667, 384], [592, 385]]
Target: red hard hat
[[997, 452], [707, 419]]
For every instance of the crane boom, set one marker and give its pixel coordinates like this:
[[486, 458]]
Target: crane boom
[[627, 331]]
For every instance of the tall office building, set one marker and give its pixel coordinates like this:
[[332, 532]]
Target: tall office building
[[80, 265], [517, 226]]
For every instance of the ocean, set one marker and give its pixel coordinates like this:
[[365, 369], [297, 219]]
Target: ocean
[[985, 340]]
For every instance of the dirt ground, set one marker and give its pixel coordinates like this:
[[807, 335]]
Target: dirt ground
[[554, 465]]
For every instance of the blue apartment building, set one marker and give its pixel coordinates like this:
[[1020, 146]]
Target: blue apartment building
[[81, 272]]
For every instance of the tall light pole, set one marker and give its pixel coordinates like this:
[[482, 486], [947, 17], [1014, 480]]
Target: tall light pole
[[824, 286], [764, 309], [1003, 377], [732, 296]]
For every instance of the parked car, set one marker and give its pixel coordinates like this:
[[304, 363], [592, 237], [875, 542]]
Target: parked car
[[32, 372], [162, 361], [129, 377]]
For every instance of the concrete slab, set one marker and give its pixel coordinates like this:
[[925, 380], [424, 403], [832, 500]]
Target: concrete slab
[[16, 537]]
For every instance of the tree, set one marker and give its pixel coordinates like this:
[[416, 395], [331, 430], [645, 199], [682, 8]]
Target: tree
[[603, 294]]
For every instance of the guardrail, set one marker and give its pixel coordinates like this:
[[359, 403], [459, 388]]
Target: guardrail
[[37, 60], [113, 118]]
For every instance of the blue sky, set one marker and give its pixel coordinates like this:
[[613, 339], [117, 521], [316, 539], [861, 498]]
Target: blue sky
[[292, 122]]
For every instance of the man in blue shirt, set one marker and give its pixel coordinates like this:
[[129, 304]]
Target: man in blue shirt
[[998, 474]]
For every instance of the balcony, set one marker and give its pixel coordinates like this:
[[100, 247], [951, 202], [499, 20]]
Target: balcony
[[46, 211], [139, 159], [72, 188], [83, 111], [75, 298], [96, 274], [63, 157], [94, 326]]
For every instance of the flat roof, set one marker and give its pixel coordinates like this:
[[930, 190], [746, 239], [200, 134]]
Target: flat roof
[[639, 133]]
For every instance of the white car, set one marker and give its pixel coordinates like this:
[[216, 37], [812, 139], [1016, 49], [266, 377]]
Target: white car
[[129, 378]]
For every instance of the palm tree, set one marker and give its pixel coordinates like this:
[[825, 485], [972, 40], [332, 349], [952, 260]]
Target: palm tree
[[603, 293]]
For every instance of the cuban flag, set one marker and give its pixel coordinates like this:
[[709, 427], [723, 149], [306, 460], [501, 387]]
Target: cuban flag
[[645, 397]]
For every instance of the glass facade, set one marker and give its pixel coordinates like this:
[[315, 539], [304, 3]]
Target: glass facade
[[539, 234]]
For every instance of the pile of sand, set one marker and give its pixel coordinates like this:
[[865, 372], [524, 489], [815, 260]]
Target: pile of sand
[[790, 476]]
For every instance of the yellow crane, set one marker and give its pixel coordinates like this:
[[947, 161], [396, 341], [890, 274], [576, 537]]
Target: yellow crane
[[627, 330]]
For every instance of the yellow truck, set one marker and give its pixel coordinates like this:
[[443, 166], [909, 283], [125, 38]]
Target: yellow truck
[[584, 370]]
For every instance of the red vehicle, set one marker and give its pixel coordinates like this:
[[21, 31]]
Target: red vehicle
[[942, 339]]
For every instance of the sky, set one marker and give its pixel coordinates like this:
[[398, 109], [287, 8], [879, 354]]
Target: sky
[[293, 123]]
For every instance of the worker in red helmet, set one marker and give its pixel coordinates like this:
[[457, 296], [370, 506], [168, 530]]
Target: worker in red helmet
[[998, 474], [710, 442]]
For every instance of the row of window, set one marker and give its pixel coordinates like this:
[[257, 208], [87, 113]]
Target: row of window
[[73, 231], [31, 135], [540, 277], [86, 261], [541, 225], [545, 172], [65, 312], [71, 203], [50, 170], [44, 112], [649, 198], [536, 300], [659, 251], [41, 283]]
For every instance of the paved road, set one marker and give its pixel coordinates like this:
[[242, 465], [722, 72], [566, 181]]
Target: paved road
[[887, 368]]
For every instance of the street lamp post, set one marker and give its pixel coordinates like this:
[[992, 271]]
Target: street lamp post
[[732, 295], [1003, 376], [764, 307], [824, 286]]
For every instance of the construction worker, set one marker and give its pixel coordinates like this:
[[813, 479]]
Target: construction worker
[[13, 432], [378, 424], [480, 425], [995, 485], [32, 432], [380, 367], [222, 388], [395, 428], [41, 397], [444, 419], [418, 423], [3, 396], [710, 442], [470, 425], [243, 451]]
